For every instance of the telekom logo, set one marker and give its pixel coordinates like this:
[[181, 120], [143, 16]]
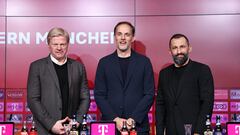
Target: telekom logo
[[237, 129], [2, 130], [102, 129], [14, 106]]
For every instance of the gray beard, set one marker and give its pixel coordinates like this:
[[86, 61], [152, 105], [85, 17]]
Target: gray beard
[[180, 61]]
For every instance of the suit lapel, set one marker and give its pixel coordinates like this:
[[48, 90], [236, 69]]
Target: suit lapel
[[69, 66], [116, 67], [170, 83], [131, 68], [70, 73], [53, 73]]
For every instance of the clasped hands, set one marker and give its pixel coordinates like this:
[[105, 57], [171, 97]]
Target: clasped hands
[[58, 127], [119, 122]]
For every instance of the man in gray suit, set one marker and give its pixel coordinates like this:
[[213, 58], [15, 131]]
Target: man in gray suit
[[57, 87]]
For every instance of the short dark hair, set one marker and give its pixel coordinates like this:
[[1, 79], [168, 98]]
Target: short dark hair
[[176, 36], [127, 23]]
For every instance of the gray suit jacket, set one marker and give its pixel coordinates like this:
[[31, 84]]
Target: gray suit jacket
[[44, 94]]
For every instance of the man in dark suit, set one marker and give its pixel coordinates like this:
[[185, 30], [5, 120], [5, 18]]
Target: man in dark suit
[[57, 87], [185, 92], [124, 85]]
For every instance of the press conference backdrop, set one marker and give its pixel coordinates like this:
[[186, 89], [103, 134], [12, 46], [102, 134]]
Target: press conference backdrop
[[212, 27]]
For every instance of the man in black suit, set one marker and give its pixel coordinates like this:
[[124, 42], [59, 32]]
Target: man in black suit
[[185, 92], [57, 87], [124, 85]]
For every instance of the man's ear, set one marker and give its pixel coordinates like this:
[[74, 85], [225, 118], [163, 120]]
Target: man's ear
[[169, 51], [190, 49], [133, 39]]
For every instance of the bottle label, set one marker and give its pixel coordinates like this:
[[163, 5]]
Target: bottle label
[[24, 133], [208, 133], [133, 132], [218, 133], [124, 133], [83, 133], [33, 133], [73, 132]]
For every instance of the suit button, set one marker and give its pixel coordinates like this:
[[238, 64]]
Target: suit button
[[121, 107], [60, 109], [176, 104]]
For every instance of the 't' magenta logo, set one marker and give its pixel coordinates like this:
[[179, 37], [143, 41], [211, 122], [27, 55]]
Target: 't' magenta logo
[[103, 129]]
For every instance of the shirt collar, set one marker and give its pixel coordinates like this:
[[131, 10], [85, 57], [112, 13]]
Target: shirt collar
[[54, 60]]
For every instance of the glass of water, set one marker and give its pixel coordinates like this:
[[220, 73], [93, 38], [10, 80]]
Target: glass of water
[[67, 128], [188, 129]]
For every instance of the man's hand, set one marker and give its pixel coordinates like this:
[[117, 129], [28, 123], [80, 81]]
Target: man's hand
[[129, 123], [119, 122], [58, 126]]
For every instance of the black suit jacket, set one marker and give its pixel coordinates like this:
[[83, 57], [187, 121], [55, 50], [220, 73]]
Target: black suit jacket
[[44, 94], [132, 100], [190, 105]]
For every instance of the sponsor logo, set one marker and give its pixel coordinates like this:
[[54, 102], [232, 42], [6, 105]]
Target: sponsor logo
[[29, 118], [1, 106], [221, 94], [237, 117], [6, 129], [14, 107], [2, 129], [15, 94], [16, 118], [223, 118], [220, 106], [93, 106], [235, 106], [237, 129], [235, 94], [1, 117], [150, 117], [91, 117], [1, 94], [103, 129], [233, 129], [91, 94]]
